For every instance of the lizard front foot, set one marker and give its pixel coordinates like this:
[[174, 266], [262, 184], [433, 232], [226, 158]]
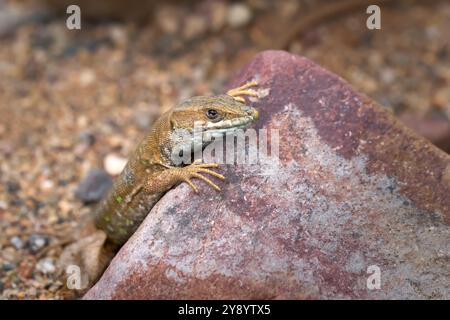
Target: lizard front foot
[[196, 169], [173, 175], [243, 90]]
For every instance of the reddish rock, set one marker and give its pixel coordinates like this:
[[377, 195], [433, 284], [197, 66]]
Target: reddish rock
[[354, 188], [434, 128]]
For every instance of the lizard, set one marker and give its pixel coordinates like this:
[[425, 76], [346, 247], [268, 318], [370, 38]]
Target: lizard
[[151, 171]]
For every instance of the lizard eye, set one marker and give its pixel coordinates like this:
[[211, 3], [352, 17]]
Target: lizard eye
[[212, 114]]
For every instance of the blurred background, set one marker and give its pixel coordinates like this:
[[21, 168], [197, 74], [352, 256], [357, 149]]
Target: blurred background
[[74, 103]]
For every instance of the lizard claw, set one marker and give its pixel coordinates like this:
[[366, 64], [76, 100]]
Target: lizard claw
[[189, 182], [194, 171], [243, 90]]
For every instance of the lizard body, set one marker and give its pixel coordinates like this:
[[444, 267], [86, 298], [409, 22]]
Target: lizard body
[[151, 170]]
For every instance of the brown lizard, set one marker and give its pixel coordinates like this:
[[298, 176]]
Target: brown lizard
[[151, 171]]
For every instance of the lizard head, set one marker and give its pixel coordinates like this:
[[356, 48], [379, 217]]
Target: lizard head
[[211, 116]]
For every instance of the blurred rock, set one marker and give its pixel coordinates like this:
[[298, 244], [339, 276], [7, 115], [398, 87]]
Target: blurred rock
[[114, 164], [46, 266], [13, 16], [87, 77], [136, 10], [96, 184], [144, 119], [17, 242], [46, 185], [26, 267], [442, 98], [37, 241], [434, 128], [218, 14], [353, 191], [86, 139], [168, 19], [8, 266], [12, 187], [194, 26], [239, 15]]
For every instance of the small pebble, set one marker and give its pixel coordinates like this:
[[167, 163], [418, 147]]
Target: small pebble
[[47, 185], [143, 119], [218, 15], [87, 77], [118, 35], [94, 186], [46, 266], [114, 164], [12, 187], [36, 242], [167, 18], [7, 266], [87, 138], [387, 75], [239, 14], [194, 26], [17, 242], [441, 98]]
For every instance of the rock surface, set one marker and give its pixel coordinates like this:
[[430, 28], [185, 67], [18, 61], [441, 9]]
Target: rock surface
[[354, 188]]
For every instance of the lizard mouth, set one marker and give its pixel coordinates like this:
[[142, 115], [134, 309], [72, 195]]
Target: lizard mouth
[[231, 125], [228, 125]]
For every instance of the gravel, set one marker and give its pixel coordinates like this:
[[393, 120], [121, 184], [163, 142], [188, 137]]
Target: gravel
[[70, 98], [36, 242], [17, 242], [239, 15], [7, 266], [46, 266]]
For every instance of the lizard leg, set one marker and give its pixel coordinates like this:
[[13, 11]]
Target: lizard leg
[[166, 179], [243, 90]]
